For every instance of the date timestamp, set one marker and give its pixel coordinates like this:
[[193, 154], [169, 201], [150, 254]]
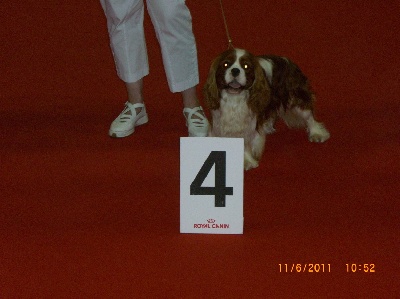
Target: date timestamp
[[324, 268], [304, 268]]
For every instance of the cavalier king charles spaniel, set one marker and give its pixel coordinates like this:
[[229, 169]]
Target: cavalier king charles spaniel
[[247, 93]]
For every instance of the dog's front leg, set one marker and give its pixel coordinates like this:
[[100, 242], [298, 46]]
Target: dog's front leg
[[257, 145], [249, 161], [253, 151], [268, 125]]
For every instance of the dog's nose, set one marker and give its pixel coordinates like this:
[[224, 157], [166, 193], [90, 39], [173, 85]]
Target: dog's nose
[[235, 72]]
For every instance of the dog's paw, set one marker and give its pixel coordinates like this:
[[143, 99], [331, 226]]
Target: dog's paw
[[268, 127], [250, 165], [249, 162], [318, 133]]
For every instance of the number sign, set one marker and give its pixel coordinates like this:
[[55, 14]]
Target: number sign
[[211, 186]]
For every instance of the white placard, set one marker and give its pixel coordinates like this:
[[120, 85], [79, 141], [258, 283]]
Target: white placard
[[211, 186]]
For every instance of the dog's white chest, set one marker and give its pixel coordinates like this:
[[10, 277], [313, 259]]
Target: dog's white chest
[[233, 119]]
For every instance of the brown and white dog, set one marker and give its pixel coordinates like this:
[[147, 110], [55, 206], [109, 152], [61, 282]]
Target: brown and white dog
[[247, 93]]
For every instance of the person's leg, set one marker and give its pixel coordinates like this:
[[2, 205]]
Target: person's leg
[[173, 25], [127, 41], [189, 98], [135, 92]]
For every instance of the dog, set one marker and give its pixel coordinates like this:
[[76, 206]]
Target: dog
[[247, 93]]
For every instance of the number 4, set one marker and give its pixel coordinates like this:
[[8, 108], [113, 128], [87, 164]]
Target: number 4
[[220, 191]]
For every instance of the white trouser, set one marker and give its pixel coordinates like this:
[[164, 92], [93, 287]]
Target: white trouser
[[173, 25]]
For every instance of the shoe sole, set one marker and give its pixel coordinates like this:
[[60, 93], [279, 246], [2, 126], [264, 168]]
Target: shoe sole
[[121, 134]]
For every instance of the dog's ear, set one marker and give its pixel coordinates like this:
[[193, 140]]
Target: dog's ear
[[260, 93], [210, 90]]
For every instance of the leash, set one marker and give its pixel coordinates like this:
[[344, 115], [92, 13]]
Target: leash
[[230, 45]]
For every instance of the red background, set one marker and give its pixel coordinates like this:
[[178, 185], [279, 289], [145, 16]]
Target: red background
[[83, 215]]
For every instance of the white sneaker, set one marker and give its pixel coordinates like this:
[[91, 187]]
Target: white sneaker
[[124, 125], [198, 125]]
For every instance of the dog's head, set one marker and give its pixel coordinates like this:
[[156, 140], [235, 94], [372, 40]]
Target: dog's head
[[237, 72]]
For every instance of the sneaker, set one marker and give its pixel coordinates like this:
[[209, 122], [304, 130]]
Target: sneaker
[[124, 125], [196, 122]]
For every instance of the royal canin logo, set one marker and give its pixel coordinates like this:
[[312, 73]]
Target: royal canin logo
[[211, 223]]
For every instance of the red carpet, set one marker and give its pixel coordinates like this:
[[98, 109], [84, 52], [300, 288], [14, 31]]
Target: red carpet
[[86, 216]]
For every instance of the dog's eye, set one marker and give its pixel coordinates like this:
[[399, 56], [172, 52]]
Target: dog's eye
[[226, 64]]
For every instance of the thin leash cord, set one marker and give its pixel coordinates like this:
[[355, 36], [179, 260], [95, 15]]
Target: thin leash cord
[[226, 26]]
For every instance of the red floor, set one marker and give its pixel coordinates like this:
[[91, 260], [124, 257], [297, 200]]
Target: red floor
[[86, 216]]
